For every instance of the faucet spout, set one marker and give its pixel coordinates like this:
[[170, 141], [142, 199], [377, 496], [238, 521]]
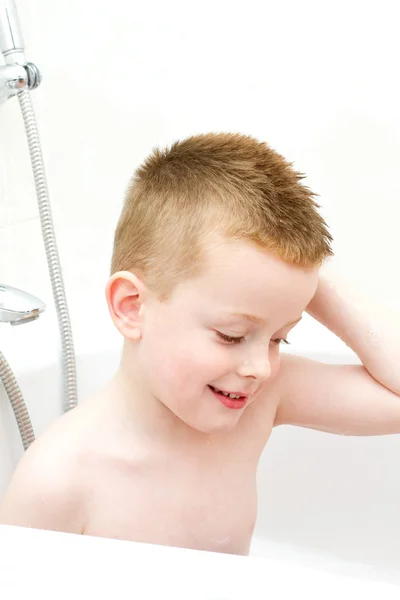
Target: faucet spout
[[18, 307]]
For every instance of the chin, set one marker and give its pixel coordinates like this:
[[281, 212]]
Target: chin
[[212, 418], [217, 425]]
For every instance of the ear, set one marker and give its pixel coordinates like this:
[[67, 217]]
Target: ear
[[125, 294]]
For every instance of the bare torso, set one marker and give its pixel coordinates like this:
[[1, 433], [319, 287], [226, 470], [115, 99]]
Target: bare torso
[[195, 493], [176, 501], [198, 494]]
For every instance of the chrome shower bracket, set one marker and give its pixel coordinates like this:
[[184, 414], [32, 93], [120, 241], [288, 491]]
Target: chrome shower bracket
[[17, 78], [17, 75]]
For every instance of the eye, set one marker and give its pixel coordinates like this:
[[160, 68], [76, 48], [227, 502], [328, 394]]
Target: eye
[[279, 341], [229, 339], [236, 340]]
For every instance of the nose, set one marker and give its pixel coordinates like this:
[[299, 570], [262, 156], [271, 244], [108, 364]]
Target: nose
[[256, 365]]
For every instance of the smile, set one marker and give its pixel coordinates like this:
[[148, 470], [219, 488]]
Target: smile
[[229, 400], [228, 394]]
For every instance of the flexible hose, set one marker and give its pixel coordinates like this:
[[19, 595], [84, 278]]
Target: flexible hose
[[17, 402], [57, 283]]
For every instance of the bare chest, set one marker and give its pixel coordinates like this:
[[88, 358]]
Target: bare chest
[[202, 500], [178, 503]]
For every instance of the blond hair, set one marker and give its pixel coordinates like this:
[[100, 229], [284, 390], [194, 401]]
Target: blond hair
[[225, 183]]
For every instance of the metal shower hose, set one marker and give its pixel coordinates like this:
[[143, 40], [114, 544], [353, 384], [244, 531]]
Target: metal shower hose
[[68, 355], [56, 278]]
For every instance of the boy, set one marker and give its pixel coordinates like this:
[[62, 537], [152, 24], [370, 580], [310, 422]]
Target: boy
[[218, 251]]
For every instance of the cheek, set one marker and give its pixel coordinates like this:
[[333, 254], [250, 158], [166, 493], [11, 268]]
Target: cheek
[[182, 364], [175, 362]]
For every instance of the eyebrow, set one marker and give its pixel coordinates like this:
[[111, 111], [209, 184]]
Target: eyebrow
[[255, 319]]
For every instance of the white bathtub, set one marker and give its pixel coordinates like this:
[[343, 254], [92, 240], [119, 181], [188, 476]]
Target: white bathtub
[[325, 501]]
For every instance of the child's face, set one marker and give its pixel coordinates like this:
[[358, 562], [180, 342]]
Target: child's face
[[183, 349]]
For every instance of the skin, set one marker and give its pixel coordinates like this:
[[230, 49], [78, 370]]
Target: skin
[[155, 456]]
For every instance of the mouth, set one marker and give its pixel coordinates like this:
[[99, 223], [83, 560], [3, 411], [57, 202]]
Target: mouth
[[233, 400]]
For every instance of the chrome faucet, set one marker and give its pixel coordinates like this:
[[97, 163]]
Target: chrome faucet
[[17, 307], [16, 75]]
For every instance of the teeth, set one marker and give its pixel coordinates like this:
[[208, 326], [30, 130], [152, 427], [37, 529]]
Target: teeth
[[228, 395]]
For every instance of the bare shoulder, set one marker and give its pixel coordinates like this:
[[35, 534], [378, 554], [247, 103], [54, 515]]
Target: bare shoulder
[[46, 490]]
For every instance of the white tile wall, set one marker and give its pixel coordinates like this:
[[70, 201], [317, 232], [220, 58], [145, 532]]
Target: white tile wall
[[320, 85]]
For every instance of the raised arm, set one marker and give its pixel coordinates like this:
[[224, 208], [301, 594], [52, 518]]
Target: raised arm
[[347, 399]]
